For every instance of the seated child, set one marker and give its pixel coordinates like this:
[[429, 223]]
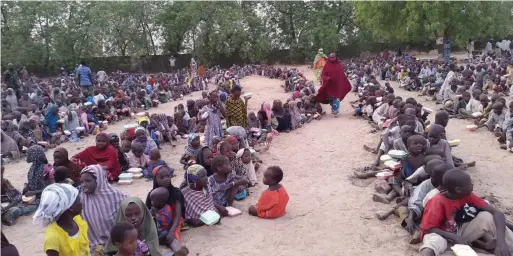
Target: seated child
[[191, 150], [196, 193], [414, 160], [169, 220], [461, 217], [154, 161], [124, 236], [437, 142], [136, 157], [224, 184], [273, 201], [496, 118], [436, 169], [400, 143]]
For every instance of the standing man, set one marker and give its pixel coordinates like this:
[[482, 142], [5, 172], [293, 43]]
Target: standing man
[[172, 62], [84, 77], [12, 80]]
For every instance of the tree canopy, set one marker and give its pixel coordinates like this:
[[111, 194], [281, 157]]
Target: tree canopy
[[63, 32]]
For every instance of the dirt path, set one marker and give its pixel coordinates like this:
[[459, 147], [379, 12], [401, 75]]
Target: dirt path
[[329, 212]]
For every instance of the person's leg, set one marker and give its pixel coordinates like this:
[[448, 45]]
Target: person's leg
[[432, 245], [230, 195], [483, 224], [335, 106]]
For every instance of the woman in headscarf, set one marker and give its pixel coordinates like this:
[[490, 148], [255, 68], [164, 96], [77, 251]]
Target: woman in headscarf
[[51, 118], [134, 211], [335, 84], [71, 123], [318, 64], [36, 156], [103, 154], [11, 98], [61, 158], [212, 114], [101, 204], [141, 137], [197, 194], [12, 131], [59, 211], [9, 147], [204, 158]]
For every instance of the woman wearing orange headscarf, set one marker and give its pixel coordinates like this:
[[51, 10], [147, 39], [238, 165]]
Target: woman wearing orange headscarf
[[319, 62]]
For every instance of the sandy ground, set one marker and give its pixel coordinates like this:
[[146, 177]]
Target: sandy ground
[[329, 213]]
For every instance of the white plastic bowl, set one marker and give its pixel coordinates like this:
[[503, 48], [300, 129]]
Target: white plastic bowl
[[384, 175]]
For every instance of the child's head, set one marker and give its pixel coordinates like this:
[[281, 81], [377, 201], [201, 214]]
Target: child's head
[[234, 143], [102, 140], [406, 132], [155, 154], [273, 175], [124, 236], [476, 93], [137, 149], [416, 144], [60, 174], [162, 176], [245, 155], [497, 108], [437, 173], [252, 116], [114, 140], [221, 165], [442, 118], [466, 96], [484, 100], [196, 176], [390, 98], [435, 134], [457, 182], [194, 140], [159, 197], [215, 142], [236, 91], [126, 145]]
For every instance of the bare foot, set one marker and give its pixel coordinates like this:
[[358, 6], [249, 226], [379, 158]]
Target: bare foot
[[369, 149], [380, 199], [182, 252], [382, 215], [415, 239], [471, 164]]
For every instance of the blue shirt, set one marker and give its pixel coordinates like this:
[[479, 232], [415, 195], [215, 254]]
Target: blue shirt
[[85, 76]]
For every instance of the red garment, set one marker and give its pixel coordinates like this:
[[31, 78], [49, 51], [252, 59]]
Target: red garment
[[334, 83], [439, 211], [272, 203], [107, 157]]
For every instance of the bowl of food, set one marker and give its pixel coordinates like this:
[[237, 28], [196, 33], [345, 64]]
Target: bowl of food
[[385, 158], [134, 170], [384, 175], [28, 199], [392, 165], [477, 114], [472, 127]]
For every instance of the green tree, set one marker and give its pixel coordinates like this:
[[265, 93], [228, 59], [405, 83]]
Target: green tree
[[412, 21]]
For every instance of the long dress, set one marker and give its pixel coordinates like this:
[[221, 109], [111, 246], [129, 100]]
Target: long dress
[[213, 127], [319, 62]]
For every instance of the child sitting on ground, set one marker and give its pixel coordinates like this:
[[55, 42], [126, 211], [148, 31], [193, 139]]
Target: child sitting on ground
[[415, 159], [154, 161], [274, 199], [191, 150], [169, 220], [124, 236], [461, 217], [224, 184], [137, 158], [436, 141]]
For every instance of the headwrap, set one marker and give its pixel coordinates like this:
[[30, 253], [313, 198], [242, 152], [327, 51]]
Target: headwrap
[[192, 137], [100, 207], [55, 200], [194, 172]]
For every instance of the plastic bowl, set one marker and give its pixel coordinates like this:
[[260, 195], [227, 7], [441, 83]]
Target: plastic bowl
[[384, 175], [385, 158], [28, 199], [477, 114], [210, 217], [392, 165], [472, 127], [134, 170], [397, 154], [454, 143]]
